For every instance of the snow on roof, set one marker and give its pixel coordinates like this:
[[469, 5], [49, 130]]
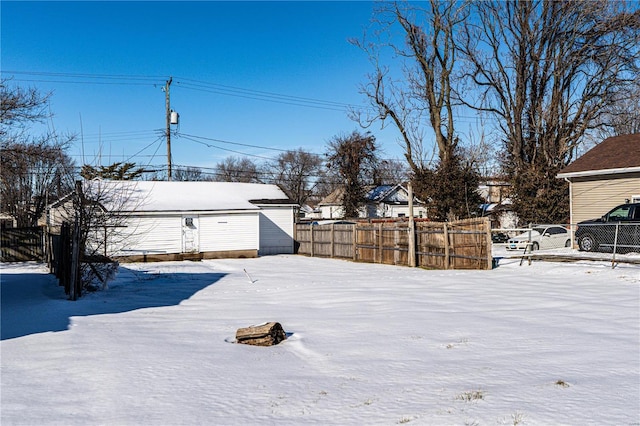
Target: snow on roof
[[160, 196], [378, 192]]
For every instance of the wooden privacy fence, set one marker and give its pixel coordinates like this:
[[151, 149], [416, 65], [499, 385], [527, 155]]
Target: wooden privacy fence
[[21, 244], [463, 244]]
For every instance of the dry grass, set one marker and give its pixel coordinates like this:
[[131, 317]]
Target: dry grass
[[471, 396]]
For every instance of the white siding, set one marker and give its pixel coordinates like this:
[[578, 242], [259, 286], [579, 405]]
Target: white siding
[[276, 230], [332, 212], [147, 235], [394, 210], [373, 210], [229, 231]]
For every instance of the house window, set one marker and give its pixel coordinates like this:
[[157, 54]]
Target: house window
[[188, 221]]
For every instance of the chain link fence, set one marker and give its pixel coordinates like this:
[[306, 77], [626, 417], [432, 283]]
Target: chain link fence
[[608, 237], [615, 242]]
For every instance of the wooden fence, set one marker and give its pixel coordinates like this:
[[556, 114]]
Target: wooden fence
[[464, 244], [21, 244]]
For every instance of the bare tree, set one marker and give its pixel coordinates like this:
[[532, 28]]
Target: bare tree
[[327, 182], [354, 159], [623, 116], [234, 169], [429, 63], [428, 54], [35, 169], [189, 173], [296, 172], [33, 174], [20, 107], [546, 71], [390, 172]]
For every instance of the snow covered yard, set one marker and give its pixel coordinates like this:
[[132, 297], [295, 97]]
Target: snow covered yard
[[550, 343]]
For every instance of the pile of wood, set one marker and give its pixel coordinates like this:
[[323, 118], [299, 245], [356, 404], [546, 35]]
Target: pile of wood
[[267, 334]]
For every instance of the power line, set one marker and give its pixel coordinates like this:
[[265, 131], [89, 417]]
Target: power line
[[124, 132], [260, 92], [232, 143], [137, 153], [269, 96], [190, 84], [86, 75], [224, 149], [203, 86], [83, 82]]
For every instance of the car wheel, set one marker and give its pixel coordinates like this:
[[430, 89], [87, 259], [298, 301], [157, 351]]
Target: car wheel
[[567, 243], [535, 246], [588, 243]]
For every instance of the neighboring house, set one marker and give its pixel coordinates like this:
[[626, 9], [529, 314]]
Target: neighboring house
[[7, 221], [171, 220], [604, 177], [308, 212], [58, 212], [501, 215], [381, 201], [497, 204], [494, 191]]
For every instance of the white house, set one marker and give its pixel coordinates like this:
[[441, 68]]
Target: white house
[[177, 220], [382, 201]]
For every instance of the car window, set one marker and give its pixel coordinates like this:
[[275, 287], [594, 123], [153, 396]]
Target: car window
[[555, 230], [621, 213], [636, 213]]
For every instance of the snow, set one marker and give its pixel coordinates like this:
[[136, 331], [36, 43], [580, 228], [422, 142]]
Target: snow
[[547, 343], [162, 196]]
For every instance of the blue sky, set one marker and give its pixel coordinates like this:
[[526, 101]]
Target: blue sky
[[249, 73]]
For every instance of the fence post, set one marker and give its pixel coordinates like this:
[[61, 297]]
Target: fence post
[[354, 239], [446, 245], [63, 265], [75, 287], [333, 240], [528, 246], [75, 255], [615, 246], [311, 238], [380, 242], [487, 224], [412, 229]]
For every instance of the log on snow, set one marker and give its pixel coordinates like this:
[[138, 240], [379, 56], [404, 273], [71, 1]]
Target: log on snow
[[267, 334]]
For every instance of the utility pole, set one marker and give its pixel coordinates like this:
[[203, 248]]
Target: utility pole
[[168, 107]]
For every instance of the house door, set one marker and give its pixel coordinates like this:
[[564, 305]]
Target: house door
[[190, 242]]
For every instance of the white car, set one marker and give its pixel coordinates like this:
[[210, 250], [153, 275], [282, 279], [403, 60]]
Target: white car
[[542, 237]]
